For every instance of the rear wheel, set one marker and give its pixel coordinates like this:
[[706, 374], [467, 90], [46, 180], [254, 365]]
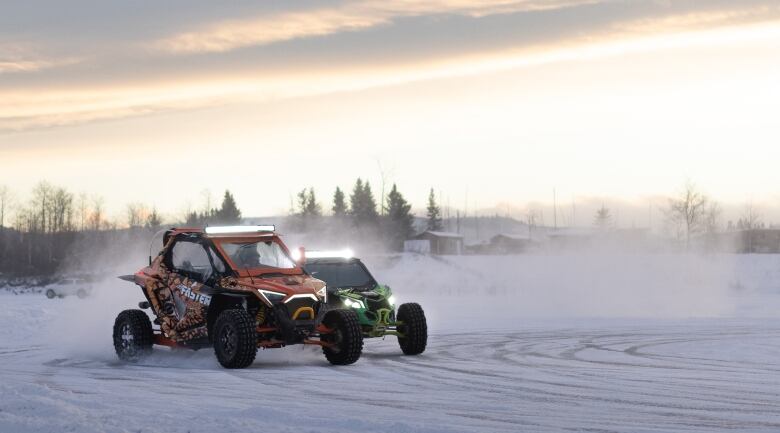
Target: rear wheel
[[345, 342], [413, 328], [81, 293], [235, 339], [133, 337], [51, 294]]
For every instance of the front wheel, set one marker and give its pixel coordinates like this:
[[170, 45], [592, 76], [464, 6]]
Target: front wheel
[[51, 294], [133, 336], [413, 329], [345, 341], [235, 339]]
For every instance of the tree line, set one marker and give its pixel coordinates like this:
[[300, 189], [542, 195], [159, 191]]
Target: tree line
[[690, 214], [391, 218], [56, 227]]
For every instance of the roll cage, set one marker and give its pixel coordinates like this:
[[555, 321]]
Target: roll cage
[[220, 264]]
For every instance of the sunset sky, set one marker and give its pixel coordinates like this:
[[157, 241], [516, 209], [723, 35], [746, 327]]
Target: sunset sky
[[495, 102]]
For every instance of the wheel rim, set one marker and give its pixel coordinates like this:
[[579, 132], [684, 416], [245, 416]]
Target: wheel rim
[[336, 339], [229, 341], [127, 340]]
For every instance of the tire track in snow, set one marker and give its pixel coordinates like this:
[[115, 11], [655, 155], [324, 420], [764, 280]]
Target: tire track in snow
[[665, 379]]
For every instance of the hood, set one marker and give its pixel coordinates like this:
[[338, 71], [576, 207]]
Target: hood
[[288, 285]]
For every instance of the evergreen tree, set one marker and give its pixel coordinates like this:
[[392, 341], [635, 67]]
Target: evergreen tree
[[303, 200], [399, 219], [339, 205], [355, 198], [229, 212], [363, 205], [434, 214], [603, 219], [153, 220], [369, 204], [312, 209], [308, 208], [194, 220]]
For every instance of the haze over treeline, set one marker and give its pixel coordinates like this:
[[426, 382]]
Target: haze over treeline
[[55, 228]]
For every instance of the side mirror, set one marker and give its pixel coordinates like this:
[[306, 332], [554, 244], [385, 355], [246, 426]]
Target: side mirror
[[301, 259]]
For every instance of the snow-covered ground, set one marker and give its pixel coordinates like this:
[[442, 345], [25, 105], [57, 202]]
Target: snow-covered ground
[[528, 343]]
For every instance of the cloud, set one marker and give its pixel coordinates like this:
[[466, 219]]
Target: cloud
[[21, 57], [126, 84], [21, 110], [700, 19], [18, 66], [279, 27], [7, 66]]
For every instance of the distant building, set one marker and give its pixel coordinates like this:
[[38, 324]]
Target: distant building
[[765, 241], [440, 243], [506, 243], [756, 241], [417, 246], [570, 238]]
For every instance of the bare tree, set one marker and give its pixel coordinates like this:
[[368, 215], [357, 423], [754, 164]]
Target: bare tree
[[689, 210], [96, 218], [61, 210], [207, 201], [41, 203], [137, 215], [82, 208], [750, 218], [385, 175], [712, 214], [5, 204]]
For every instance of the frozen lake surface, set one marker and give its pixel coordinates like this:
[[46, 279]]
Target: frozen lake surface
[[488, 368]]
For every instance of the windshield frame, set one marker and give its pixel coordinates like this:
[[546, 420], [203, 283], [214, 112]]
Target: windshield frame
[[252, 272]]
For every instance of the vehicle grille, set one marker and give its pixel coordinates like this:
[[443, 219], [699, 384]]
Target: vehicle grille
[[298, 303], [375, 304]]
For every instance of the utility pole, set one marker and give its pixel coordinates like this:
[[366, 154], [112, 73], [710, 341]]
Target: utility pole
[[476, 220], [573, 213], [465, 209], [555, 210], [650, 217]]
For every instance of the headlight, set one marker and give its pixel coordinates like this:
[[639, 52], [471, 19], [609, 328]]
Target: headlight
[[391, 300], [353, 303], [323, 294], [272, 297]]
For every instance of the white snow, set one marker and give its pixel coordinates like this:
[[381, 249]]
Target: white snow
[[611, 342]]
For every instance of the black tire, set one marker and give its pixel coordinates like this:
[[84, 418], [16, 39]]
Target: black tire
[[81, 293], [235, 339], [413, 327], [51, 294], [347, 337], [133, 336]]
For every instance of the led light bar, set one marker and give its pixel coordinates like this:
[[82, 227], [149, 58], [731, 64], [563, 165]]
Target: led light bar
[[343, 254], [218, 230]]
